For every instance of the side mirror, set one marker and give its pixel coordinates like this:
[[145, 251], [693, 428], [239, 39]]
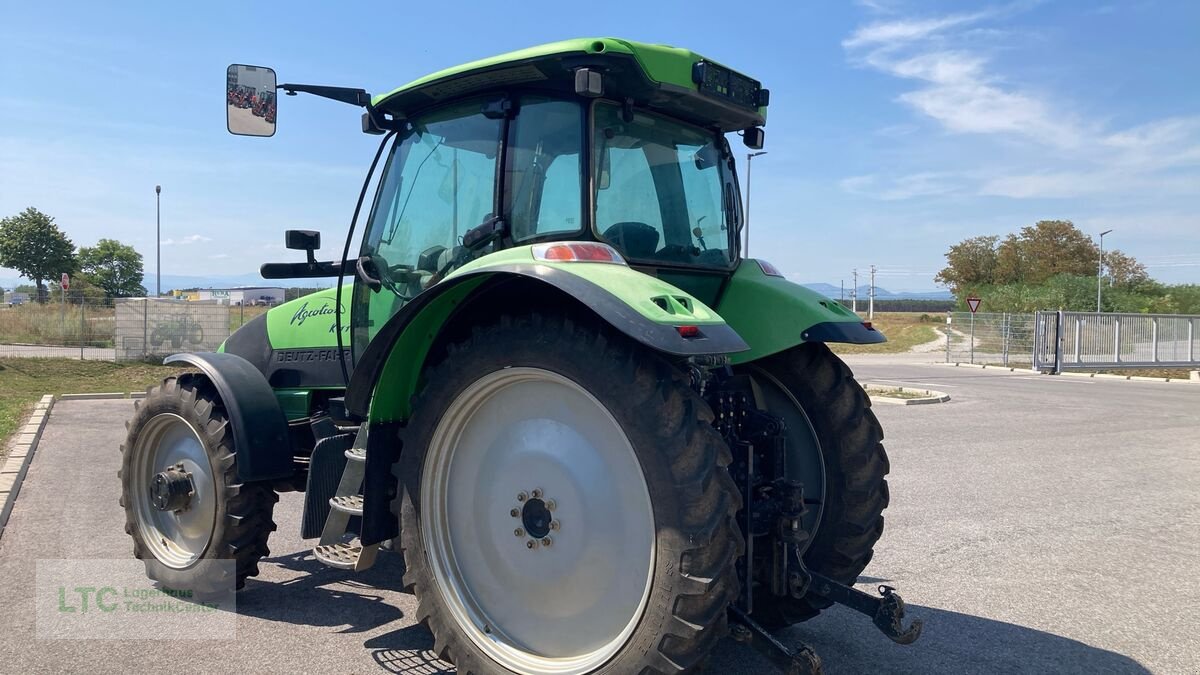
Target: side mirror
[[753, 138], [250, 100], [303, 240]]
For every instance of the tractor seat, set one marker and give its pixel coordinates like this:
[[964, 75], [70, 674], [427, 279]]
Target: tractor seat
[[633, 239]]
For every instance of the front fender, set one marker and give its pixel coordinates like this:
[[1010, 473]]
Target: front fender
[[260, 430], [773, 314], [640, 306]]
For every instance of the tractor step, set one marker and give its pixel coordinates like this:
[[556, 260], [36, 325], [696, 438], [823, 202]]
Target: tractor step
[[344, 512], [352, 504], [346, 556], [325, 469]]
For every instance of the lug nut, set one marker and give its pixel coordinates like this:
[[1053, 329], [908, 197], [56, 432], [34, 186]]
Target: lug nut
[[550, 505], [537, 493], [546, 541], [554, 525], [519, 532], [514, 513], [531, 544], [521, 496]]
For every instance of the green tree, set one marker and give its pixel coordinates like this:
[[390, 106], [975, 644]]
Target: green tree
[[33, 245], [114, 267], [969, 263], [1054, 247]]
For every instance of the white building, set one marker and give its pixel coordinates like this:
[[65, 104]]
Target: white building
[[248, 295]]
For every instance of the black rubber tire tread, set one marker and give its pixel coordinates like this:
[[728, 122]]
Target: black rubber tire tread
[[244, 510], [856, 492], [683, 459]]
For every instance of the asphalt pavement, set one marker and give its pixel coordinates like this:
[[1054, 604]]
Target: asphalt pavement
[[1037, 524]]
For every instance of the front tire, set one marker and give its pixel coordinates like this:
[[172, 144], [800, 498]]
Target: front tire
[[180, 429], [641, 566]]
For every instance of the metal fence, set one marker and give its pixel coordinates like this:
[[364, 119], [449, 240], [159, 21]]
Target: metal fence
[[991, 338], [1086, 340], [131, 329]]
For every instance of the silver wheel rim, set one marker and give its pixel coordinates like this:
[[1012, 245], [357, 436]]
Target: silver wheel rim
[[513, 436], [177, 539]]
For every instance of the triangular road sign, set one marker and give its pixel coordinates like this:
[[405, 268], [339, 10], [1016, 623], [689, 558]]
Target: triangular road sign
[[973, 303]]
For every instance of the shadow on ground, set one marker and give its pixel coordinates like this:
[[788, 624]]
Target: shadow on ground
[[951, 642], [324, 596]]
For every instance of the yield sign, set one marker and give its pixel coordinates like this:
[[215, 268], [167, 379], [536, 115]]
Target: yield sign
[[66, 281], [973, 303]]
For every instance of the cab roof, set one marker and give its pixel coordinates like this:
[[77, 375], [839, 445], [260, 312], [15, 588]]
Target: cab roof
[[675, 81]]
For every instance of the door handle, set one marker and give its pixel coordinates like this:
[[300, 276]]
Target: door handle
[[360, 268]]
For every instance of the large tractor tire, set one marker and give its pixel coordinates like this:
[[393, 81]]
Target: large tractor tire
[[834, 433], [565, 505], [184, 505]]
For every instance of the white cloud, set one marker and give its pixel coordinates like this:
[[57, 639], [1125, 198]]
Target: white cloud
[[185, 241], [1064, 154], [900, 187]]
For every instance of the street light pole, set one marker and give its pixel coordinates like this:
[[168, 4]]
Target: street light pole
[[157, 243], [746, 226], [1100, 269]]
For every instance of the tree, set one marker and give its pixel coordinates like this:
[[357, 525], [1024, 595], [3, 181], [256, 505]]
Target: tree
[[33, 245], [114, 267], [1124, 270], [971, 262], [1054, 247]]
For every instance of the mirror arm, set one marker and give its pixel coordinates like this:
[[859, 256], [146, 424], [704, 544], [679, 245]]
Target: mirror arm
[[353, 96]]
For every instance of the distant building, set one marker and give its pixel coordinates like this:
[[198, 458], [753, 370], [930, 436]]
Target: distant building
[[249, 295]]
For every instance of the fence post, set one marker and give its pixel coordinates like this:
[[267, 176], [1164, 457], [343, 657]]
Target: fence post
[[145, 327], [1192, 340], [948, 318], [1078, 337], [1058, 342], [82, 325], [1154, 339], [1004, 332], [1116, 338], [972, 337]]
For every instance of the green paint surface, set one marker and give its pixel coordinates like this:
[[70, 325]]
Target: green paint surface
[[771, 313], [660, 63], [309, 321]]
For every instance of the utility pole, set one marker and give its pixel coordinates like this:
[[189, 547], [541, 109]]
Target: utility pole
[[157, 242], [746, 226], [1100, 269], [842, 297], [854, 293], [871, 299]]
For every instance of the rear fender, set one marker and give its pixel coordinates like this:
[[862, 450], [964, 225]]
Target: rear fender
[[773, 314], [260, 430], [640, 306]]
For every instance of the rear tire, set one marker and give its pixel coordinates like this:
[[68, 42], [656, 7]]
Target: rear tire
[[183, 422], [678, 464], [855, 463]]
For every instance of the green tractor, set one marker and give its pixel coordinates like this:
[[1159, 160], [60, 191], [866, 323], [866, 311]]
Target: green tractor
[[600, 437]]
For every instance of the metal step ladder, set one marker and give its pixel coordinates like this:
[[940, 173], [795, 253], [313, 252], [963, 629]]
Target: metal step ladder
[[336, 549]]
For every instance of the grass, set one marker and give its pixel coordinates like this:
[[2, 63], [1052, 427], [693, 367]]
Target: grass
[[240, 316], [24, 381], [56, 324], [896, 392], [904, 330]]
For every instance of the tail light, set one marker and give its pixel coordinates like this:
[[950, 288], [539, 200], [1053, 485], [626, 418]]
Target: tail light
[[577, 251], [769, 269]]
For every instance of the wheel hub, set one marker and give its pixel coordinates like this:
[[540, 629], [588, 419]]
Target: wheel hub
[[536, 518], [172, 490]]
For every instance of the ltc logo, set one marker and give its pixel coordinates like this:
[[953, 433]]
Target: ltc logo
[[84, 599]]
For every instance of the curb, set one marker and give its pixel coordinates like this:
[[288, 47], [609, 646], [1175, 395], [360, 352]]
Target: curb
[[928, 395], [1133, 378], [17, 462], [983, 366], [104, 396]]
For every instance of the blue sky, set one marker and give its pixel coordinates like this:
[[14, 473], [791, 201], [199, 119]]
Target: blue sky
[[895, 129]]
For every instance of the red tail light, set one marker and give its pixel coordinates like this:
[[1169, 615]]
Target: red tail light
[[768, 269], [688, 331], [577, 251]]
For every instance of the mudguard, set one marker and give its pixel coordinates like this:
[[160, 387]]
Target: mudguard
[[773, 314], [260, 430], [642, 307]]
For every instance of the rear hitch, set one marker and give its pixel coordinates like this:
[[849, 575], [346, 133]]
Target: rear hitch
[[800, 661], [887, 611]]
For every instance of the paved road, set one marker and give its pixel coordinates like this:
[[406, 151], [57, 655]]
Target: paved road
[[1038, 524]]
